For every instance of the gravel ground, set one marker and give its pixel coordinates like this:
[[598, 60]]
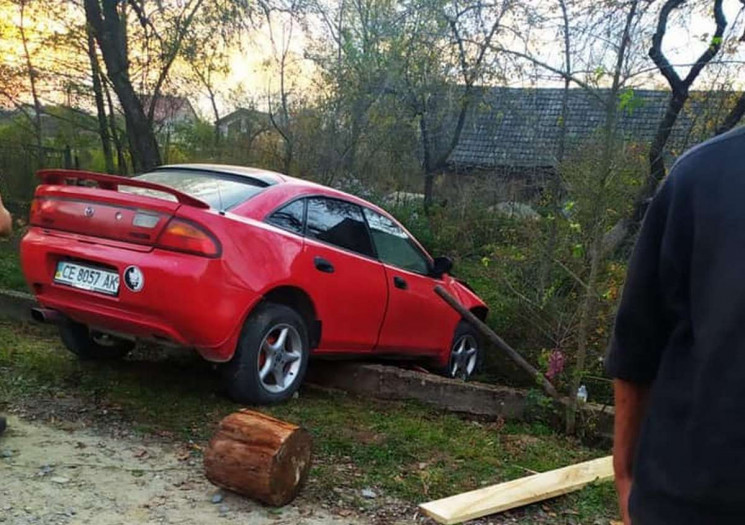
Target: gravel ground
[[76, 476]]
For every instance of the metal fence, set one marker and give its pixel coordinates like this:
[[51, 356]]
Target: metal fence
[[18, 165]]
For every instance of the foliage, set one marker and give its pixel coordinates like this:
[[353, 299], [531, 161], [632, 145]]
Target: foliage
[[11, 277], [371, 102]]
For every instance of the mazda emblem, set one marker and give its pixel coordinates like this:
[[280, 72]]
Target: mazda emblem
[[89, 211]]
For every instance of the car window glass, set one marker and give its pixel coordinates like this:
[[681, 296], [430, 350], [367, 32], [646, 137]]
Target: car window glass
[[289, 217], [339, 223], [394, 246], [219, 191]]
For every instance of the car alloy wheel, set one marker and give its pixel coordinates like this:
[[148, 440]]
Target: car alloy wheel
[[280, 358], [464, 356]]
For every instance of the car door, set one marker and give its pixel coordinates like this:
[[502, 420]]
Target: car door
[[339, 270], [417, 321]]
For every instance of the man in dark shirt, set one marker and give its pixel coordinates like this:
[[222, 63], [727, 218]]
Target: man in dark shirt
[[678, 350]]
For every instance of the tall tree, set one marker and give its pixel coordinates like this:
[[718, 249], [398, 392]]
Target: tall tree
[[444, 53], [103, 126], [108, 23], [353, 55], [596, 234], [680, 87], [32, 78], [279, 110]]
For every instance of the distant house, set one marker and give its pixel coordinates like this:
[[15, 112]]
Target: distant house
[[57, 121], [514, 133], [170, 111], [243, 122]]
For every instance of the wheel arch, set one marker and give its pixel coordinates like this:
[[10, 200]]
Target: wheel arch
[[480, 312], [299, 300]]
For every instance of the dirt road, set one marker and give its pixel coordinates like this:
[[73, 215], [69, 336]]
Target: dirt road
[[54, 476]]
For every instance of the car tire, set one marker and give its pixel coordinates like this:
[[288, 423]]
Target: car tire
[[271, 357], [466, 353], [87, 344]]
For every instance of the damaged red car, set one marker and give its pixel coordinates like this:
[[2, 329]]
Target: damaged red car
[[253, 269]]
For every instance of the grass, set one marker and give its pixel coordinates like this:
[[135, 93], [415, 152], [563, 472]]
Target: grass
[[401, 449], [11, 277]]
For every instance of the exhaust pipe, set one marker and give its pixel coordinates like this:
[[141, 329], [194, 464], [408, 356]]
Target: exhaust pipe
[[46, 315]]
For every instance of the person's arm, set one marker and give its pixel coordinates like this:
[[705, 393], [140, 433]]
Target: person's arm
[[631, 407], [644, 320], [6, 224]]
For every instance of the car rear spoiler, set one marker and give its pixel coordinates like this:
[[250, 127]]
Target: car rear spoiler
[[112, 182]]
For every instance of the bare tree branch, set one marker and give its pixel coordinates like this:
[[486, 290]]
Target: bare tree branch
[[655, 52], [680, 93]]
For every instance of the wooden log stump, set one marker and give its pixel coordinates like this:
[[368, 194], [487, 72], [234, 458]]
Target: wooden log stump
[[260, 457]]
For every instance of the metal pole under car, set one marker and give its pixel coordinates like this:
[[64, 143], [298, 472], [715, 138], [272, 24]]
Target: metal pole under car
[[497, 341]]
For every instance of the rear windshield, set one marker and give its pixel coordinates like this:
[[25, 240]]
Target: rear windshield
[[221, 192]]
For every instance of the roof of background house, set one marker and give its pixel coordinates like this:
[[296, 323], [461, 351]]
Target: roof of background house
[[520, 126], [243, 112], [167, 107]]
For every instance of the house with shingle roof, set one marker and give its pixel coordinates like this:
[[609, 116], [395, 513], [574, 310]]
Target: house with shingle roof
[[170, 111], [513, 133]]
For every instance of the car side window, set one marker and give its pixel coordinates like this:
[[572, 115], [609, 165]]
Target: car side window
[[394, 246], [339, 223], [290, 217]]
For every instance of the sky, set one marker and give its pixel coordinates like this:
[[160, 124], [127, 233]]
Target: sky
[[252, 68]]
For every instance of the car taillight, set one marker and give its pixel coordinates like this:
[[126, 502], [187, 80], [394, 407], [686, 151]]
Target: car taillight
[[183, 236], [40, 213], [35, 213]]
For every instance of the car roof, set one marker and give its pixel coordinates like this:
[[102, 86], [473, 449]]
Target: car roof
[[269, 178], [283, 188], [291, 185]]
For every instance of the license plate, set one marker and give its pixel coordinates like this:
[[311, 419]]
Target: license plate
[[87, 278]]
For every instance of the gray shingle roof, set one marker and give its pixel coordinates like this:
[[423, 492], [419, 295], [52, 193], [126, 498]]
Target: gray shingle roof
[[519, 127]]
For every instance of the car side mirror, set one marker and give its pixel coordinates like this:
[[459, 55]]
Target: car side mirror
[[441, 266]]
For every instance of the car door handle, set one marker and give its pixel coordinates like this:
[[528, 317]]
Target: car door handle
[[322, 265], [400, 282]]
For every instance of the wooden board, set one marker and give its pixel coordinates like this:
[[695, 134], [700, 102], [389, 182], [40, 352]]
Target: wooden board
[[519, 492]]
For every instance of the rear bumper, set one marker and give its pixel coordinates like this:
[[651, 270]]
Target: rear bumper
[[186, 299]]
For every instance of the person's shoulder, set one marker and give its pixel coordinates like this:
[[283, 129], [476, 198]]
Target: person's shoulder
[[708, 158]]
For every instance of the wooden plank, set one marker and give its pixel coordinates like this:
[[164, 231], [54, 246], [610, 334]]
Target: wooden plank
[[519, 492]]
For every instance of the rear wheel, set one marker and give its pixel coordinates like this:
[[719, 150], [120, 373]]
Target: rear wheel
[[90, 344], [271, 358], [466, 353]]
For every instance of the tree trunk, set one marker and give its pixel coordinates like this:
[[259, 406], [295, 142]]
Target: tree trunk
[[586, 312], [121, 160], [587, 308], [656, 156], [547, 263], [103, 129], [259, 456], [429, 175], [680, 91], [34, 92], [216, 114], [107, 28]]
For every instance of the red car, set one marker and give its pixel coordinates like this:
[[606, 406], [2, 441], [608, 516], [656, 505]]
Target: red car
[[253, 269]]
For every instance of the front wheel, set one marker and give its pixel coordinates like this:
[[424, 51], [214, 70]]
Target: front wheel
[[90, 344], [466, 353], [271, 358]]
